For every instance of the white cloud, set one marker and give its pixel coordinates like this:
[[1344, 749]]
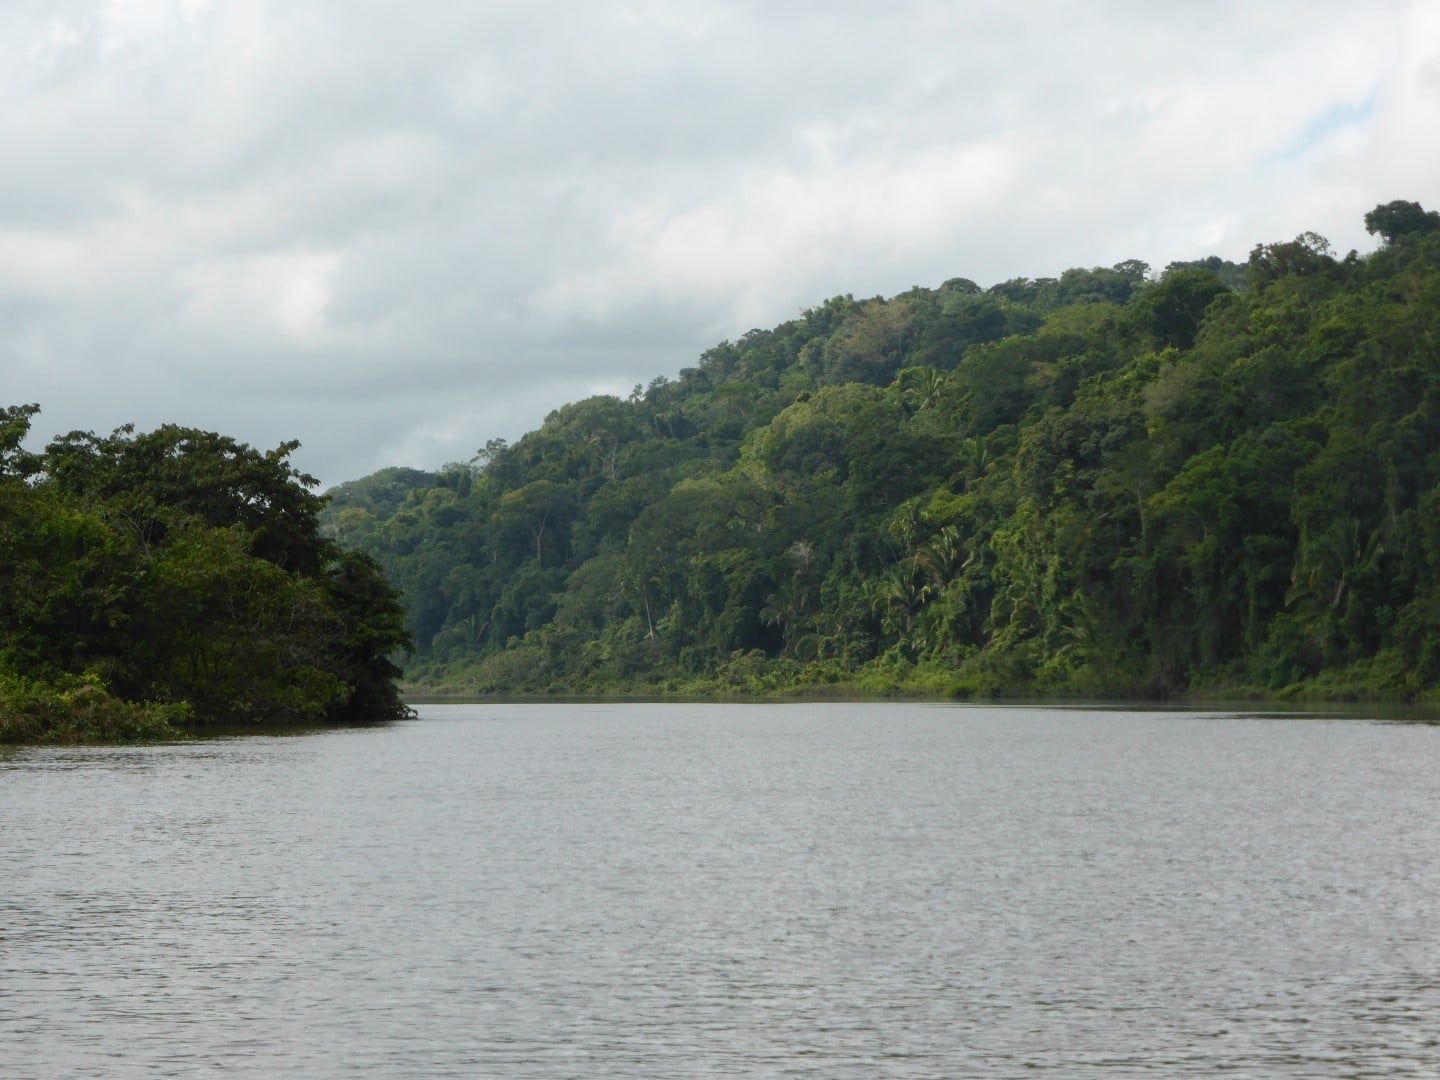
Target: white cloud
[[778, 226], [286, 292], [398, 231]]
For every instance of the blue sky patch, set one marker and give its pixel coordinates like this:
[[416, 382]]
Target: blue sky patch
[[1343, 114]]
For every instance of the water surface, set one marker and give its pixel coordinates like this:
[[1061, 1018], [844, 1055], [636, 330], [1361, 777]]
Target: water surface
[[831, 890]]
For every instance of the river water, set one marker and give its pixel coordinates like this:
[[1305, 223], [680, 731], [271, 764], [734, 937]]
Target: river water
[[836, 890]]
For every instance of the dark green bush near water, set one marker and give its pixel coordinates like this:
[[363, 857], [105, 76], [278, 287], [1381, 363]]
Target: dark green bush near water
[[152, 583], [1222, 478], [82, 710]]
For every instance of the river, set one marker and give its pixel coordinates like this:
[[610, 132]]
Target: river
[[678, 890]]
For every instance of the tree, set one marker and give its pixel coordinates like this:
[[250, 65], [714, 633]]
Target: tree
[[177, 471], [1397, 219], [1172, 311], [365, 629], [15, 460], [1308, 256], [182, 568], [536, 509], [869, 345]]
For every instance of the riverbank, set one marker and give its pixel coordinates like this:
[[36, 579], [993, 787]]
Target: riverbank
[[754, 677], [81, 710]]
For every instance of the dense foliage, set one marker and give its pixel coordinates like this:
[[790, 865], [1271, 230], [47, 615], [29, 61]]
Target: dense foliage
[[150, 583], [1216, 477]]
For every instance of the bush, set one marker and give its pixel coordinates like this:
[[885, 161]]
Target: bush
[[82, 710]]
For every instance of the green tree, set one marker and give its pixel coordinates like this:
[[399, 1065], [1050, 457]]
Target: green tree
[[182, 568], [1399, 218], [538, 510]]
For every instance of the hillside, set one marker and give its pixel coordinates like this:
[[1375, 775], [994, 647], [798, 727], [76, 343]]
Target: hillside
[[1219, 477]]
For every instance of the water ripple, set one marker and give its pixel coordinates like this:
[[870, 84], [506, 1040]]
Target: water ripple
[[795, 891]]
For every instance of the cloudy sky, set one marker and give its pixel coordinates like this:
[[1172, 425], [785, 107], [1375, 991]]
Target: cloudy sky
[[396, 230]]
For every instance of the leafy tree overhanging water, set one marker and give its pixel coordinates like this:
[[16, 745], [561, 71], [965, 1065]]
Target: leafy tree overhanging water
[[153, 583]]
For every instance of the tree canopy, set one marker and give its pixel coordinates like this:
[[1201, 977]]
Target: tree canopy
[[1220, 476], [159, 581]]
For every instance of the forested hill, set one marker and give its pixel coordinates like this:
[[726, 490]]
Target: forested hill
[[1228, 477]]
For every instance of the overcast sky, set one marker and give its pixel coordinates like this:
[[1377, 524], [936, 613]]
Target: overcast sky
[[396, 230]]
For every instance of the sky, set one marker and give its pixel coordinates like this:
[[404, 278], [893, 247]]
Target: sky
[[397, 231]]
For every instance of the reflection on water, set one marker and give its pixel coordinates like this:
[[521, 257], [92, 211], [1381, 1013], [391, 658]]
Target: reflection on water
[[801, 890]]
